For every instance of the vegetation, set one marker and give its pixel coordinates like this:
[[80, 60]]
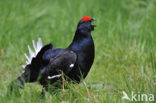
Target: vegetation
[[125, 39]]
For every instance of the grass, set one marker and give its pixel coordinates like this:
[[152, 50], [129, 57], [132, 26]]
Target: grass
[[124, 39]]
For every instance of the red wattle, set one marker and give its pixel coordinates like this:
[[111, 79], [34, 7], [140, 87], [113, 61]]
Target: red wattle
[[86, 18]]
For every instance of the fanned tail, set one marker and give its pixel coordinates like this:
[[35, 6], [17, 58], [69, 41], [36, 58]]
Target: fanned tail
[[37, 47]]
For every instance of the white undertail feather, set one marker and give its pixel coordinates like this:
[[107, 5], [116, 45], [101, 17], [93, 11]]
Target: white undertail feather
[[37, 47]]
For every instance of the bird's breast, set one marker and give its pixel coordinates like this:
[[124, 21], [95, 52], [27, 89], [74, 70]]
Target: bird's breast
[[85, 53]]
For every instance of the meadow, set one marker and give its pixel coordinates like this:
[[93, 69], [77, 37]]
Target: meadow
[[125, 50]]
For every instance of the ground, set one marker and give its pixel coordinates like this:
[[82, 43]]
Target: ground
[[124, 37]]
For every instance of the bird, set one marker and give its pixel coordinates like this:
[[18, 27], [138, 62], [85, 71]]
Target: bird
[[46, 63]]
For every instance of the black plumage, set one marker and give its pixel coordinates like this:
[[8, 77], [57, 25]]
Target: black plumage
[[74, 61]]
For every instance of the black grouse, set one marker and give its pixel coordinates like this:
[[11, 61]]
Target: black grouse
[[47, 63]]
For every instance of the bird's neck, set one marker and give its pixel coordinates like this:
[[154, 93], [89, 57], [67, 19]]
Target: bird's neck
[[83, 46], [82, 42]]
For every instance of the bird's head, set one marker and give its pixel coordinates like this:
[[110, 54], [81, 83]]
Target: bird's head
[[86, 23]]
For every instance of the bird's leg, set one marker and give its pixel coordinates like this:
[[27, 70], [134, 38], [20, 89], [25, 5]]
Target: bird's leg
[[44, 90]]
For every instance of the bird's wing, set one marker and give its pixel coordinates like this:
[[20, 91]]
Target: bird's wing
[[63, 61], [50, 53]]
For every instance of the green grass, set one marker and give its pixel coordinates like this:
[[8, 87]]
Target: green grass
[[125, 42]]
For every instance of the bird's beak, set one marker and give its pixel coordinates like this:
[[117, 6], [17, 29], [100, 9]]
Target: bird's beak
[[92, 26], [93, 19]]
